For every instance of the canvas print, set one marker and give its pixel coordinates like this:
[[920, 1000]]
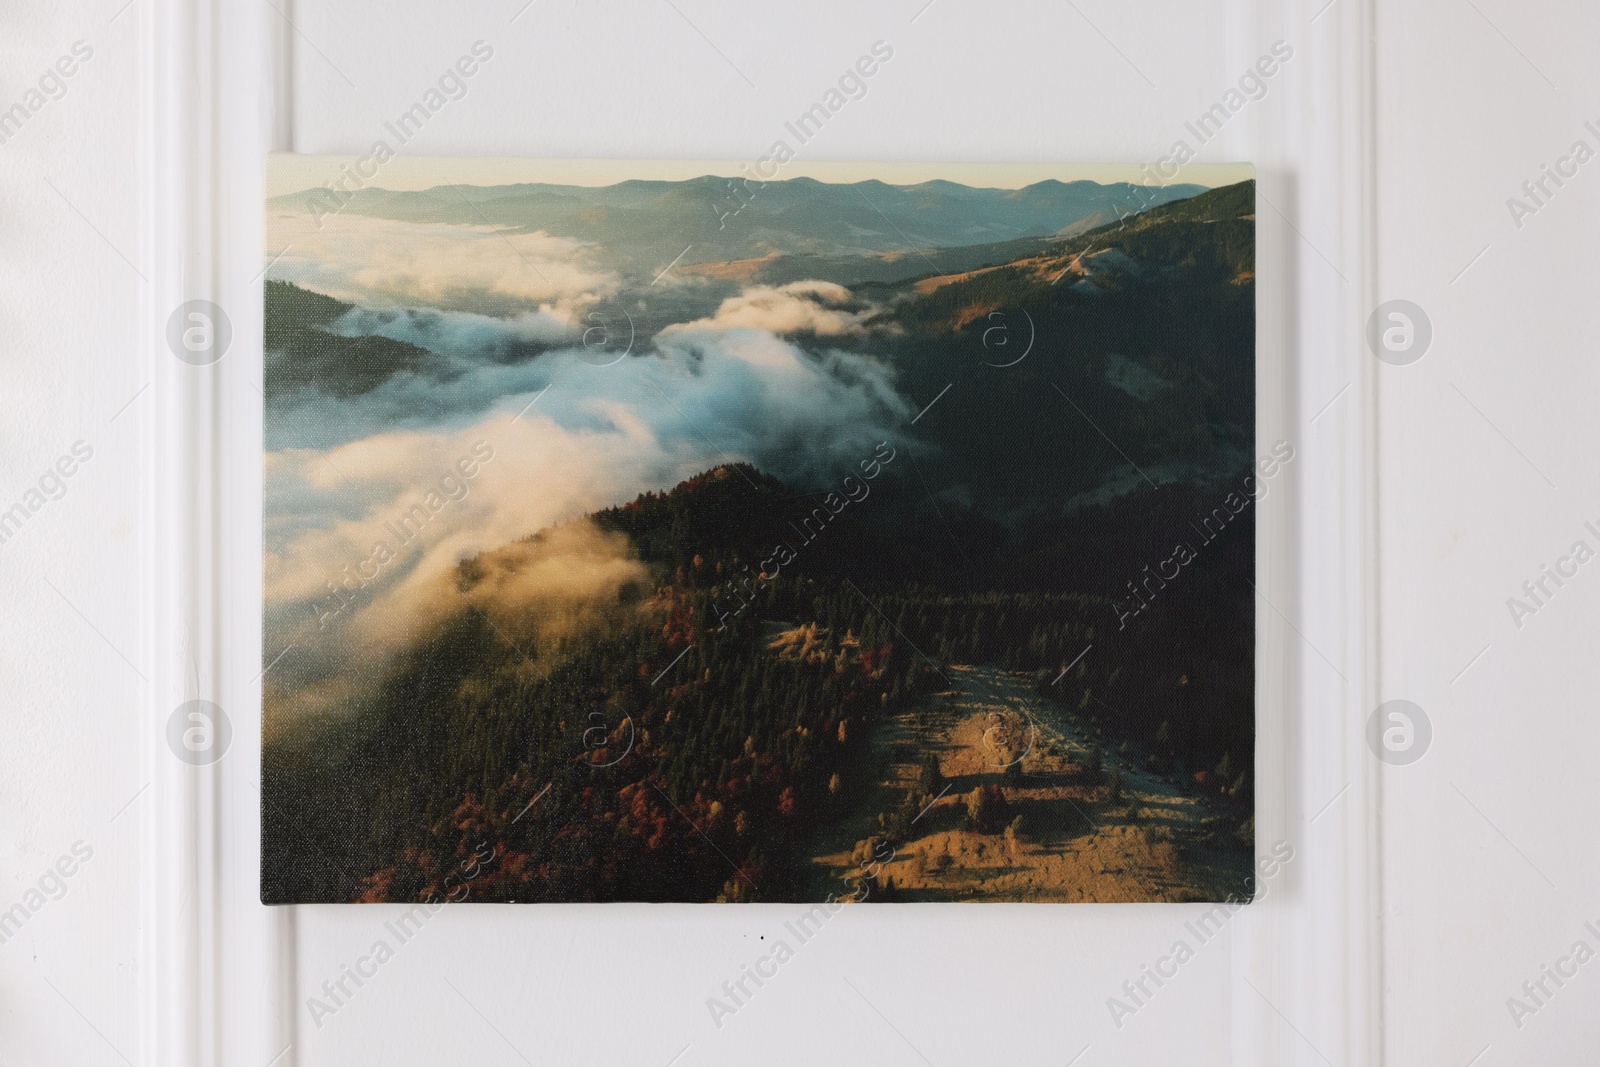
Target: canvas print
[[729, 533]]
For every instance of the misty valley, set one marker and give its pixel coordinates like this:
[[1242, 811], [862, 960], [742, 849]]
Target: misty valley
[[891, 543]]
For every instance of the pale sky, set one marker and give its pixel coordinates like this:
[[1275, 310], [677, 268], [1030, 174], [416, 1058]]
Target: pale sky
[[291, 173]]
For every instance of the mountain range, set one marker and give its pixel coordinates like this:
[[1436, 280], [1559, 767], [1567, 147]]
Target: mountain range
[[638, 226]]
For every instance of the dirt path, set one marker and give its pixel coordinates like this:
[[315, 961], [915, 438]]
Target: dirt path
[[1075, 841]]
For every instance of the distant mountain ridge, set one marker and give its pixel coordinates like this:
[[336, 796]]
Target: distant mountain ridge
[[640, 224]]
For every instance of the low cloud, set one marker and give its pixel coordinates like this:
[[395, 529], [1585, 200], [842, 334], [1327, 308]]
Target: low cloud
[[567, 581], [345, 626], [816, 307], [572, 582], [464, 335], [384, 262], [754, 394], [597, 436]]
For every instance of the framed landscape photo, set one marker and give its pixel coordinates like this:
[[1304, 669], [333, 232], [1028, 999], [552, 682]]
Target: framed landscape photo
[[755, 532]]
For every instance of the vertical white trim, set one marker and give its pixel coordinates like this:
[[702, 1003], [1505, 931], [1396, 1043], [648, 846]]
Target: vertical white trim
[[174, 913], [216, 965], [1311, 953]]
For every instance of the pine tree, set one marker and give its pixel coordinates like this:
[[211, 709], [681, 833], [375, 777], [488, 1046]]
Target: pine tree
[[1094, 765]]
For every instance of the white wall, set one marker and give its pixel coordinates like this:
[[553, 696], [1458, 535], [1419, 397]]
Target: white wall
[[1489, 470], [1422, 499], [71, 649]]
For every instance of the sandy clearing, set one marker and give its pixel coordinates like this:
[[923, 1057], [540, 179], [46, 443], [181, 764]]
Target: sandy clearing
[[1076, 845]]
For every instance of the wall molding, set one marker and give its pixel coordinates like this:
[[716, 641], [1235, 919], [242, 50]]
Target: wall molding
[[218, 90]]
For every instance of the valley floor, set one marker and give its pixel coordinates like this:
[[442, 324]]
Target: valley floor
[[1156, 843]]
